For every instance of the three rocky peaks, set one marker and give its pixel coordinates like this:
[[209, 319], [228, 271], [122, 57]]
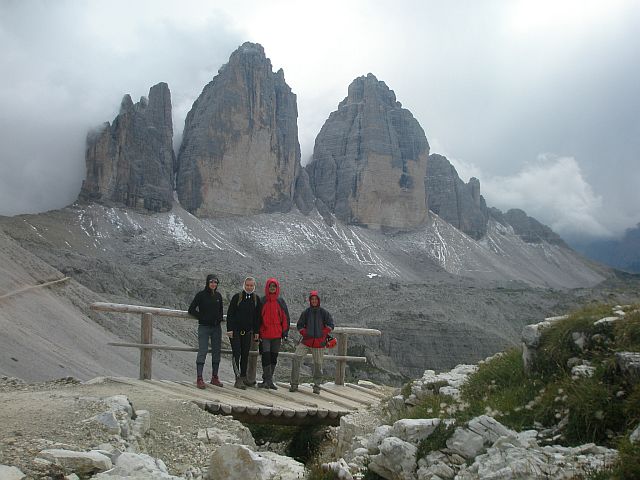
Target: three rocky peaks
[[240, 155]]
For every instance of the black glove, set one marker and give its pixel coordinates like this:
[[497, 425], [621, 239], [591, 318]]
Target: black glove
[[285, 335]]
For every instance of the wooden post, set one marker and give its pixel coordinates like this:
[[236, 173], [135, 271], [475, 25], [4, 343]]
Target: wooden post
[[252, 364], [146, 354], [341, 364]]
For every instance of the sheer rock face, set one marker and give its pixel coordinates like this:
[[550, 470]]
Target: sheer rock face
[[454, 201], [370, 160], [131, 161], [240, 152]]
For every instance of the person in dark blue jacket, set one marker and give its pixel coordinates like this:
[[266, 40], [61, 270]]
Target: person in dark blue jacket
[[207, 308], [314, 325]]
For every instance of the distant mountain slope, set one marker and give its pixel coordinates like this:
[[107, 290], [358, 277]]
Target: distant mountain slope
[[623, 253], [440, 297], [50, 333]]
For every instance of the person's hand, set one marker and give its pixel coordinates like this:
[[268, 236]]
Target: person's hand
[[285, 335], [230, 334]]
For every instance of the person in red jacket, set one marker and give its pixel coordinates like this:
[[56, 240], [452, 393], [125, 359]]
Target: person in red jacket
[[274, 327], [314, 325]]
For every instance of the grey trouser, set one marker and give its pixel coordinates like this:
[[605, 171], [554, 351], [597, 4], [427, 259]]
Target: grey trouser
[[269, 349], [318, 357], [205, 333]]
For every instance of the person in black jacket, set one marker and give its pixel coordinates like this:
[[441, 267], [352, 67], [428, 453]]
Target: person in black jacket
[[243, 323], [207, 308]]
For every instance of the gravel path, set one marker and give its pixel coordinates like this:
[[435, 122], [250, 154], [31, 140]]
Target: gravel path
[[53, 415]]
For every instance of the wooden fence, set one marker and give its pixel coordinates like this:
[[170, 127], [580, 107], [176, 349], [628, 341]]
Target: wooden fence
[[147, 346]]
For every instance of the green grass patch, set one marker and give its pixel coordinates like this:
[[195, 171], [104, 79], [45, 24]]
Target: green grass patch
[[627, 332], [500, 387], [600, 409], [436, 441], [628, 464], [315, 472], [432, 406], [405, 391]]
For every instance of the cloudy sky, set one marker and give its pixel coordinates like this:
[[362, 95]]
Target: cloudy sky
[[538, 99]]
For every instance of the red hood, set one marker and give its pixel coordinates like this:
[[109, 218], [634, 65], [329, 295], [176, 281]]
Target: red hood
[[314, 293], [266, 288]]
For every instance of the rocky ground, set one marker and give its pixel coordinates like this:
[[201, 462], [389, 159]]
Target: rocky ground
[[57, 414]]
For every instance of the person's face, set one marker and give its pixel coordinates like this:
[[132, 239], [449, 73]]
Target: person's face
[[213, 284], [249, 286], [314, 301], [272, 288]]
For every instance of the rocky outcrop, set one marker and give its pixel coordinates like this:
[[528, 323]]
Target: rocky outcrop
[[478, 449], [370, 160], [303, 194], [131, 161], [527, 228], [240, 153], [454, 201]]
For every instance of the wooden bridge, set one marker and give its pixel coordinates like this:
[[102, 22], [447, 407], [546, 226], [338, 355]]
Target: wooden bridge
[[255, 405]]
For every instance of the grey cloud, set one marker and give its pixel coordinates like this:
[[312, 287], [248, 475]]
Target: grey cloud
[[487, 96]]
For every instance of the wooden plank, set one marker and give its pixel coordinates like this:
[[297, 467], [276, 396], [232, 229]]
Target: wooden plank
[[331, 399], [184, 392], [33, 287], [369, 391], [357, 331], [341, 365], [123, 308], [350, 394]]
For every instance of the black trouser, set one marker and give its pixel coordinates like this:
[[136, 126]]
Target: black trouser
[[269, 349], [240, 345]]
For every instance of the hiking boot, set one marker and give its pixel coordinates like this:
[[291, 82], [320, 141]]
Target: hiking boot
[[248, 383], [216, 381], [263, 384], [240, 384], [293, 388], [316, 389], [200, 383]]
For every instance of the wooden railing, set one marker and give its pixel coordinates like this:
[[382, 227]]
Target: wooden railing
[[147, 346]]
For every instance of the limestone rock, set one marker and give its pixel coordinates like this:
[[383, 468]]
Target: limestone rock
[[11, 473], [629, 364], [239, 462], [396, 460], [79, 462], [240, 153], [454, 201], [303, 194], [413, 430], [131, 161], [370, 160], [131, 466]]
